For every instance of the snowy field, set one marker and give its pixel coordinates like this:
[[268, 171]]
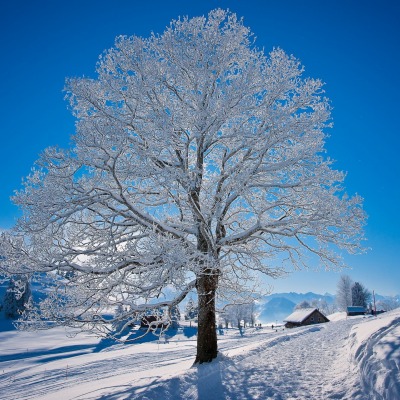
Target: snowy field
[[357, 358]]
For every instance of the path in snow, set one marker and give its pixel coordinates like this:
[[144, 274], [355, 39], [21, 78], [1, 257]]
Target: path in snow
[[295, 369], [298, 364], [306, 363]]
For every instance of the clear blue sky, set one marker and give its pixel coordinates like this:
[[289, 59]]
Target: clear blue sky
[[353, 46]]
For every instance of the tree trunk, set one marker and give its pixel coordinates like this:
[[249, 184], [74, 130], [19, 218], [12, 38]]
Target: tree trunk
[[207, 348]]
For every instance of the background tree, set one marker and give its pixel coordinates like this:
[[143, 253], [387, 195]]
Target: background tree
[[238, 313], [175, 316], [388, 304], [197, 160], [302, 304], [17, 296], [360, 295], [253, 313], [344, 294], [225, 317], [235, 314], [191, 311], [322, 305]]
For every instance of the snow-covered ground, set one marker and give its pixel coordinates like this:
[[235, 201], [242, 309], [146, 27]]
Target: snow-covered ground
[[357, 358]]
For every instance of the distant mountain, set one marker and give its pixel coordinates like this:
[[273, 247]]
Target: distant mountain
[[276, 309], [299, 297], [379, 297], [277, 306]]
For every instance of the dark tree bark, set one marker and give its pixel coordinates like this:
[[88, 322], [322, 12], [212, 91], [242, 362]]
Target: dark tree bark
[[207, 348]]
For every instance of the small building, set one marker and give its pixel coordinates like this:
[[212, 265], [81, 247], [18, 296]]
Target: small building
[[356, 310], [305, 316]]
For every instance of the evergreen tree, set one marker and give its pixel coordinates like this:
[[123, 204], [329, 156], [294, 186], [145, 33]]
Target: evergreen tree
[[175, 316], [191, 311], [360, 295], [17, 295], [121, 319]]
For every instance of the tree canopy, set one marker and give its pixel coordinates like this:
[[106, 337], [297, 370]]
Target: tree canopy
[[360, 295], [343, 294], [197, 161]]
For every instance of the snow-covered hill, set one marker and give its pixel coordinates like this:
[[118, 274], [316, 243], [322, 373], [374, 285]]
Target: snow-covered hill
[[356, 358]]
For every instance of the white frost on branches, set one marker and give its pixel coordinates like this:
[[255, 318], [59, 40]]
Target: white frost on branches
[[343, 294], [196, 157]]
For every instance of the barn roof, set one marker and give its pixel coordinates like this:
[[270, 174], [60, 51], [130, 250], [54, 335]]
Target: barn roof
[[355, 309], [300, 315]]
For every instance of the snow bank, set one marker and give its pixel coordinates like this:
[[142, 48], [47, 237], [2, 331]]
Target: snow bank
[[375, 347], [337, 316]]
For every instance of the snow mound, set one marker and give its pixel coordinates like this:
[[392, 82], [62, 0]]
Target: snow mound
[[337, 316], [375, 345]]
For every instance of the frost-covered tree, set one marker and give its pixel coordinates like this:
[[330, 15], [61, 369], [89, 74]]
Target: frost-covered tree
[[227, 315], [16, 297], [235, 314], [197, 161], [323, 305], [175, 316], [343, 293], [252, 314], [360, 295], [320, 304], [191, 311], [224, 318], [388, 304], [303, 304]]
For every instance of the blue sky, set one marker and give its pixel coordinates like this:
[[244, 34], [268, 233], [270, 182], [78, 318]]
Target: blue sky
[[353, 46]]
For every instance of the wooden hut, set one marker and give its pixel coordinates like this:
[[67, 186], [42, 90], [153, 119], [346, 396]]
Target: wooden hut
[[305, 316], [356, 310]]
